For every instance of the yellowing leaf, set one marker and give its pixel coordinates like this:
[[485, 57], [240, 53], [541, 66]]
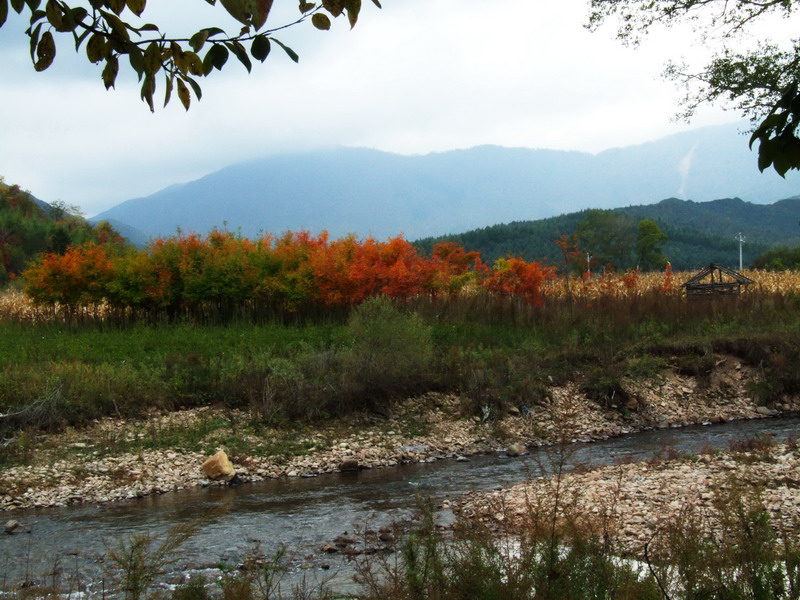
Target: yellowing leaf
[[184, 95]]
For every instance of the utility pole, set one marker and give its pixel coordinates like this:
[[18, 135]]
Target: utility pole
[[588, 264], [740, 238]]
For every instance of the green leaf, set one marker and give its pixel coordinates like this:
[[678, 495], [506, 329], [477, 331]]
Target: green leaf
[[116, 5], [18, 5], [34, 35], [353, 8], [136, 58], [335, 7], [136, 6], [306, 6], [764, 155], [79, 14], [148, 90], [261, 13], [290, 53], [260, 48], [376, 3], [79, 39], [152, 58], [148, 27], [117, 25], [241, 10], [168, 93], [197, 91], [54, 14], [212, 31], [3, 11], [198, 40], [45, 52], [96, 48], [215, 58], [184, 95], [240, 53], [757, 135], [321, 21]]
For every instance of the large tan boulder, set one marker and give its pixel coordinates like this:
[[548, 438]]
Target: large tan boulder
[[219, 467]]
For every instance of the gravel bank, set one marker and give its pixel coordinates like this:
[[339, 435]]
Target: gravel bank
[[76, 466], [641, 498]]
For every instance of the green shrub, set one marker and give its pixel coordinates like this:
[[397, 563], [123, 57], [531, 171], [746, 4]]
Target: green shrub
[[390, 354]]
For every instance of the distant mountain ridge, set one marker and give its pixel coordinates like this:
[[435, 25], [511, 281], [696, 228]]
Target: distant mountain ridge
[[699, 232], [369, 192]]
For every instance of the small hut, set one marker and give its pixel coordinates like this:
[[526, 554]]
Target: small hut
[[716, 280]]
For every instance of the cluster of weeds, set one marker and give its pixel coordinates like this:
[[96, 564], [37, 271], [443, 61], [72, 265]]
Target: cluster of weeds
[[493, 383], [604, 385], [734, 551], [644, 368], [758, 449]]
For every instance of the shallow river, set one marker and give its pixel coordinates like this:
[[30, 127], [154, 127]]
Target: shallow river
[[304, 514]]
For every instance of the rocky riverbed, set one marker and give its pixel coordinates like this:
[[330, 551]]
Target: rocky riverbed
[[116, 460], [634, 502]]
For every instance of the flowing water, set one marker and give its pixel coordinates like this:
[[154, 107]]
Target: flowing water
[[303, 514]]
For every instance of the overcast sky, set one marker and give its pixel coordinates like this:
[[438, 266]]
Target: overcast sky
[[416, 77]]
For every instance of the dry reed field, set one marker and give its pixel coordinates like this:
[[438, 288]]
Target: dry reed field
[[632, 284], [16, 305]]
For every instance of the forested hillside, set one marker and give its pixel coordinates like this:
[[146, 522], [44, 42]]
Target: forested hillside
[[698, 232], [29, 227]]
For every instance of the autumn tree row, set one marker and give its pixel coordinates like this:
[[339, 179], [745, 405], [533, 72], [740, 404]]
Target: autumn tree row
[[286, 272]]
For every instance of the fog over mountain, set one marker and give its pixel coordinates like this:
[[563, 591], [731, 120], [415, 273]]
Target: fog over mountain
[[369, 192]]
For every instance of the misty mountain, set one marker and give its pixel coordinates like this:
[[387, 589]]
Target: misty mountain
[[369, 192]]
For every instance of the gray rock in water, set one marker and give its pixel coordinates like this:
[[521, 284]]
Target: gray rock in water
[[349, 464], [516, 450], [13, 526]]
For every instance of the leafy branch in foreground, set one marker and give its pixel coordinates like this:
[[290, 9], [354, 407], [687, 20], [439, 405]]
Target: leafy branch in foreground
[[761, 82], [108, 30]]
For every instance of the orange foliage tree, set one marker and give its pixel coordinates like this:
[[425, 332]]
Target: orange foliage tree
[[78, 277], [513, 277], [224, 270]]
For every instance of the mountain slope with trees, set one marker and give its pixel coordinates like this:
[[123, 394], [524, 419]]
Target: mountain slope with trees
[[698, 232], [29, 227]]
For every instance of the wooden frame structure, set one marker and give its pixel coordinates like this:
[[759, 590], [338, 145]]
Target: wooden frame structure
[[716, 280]]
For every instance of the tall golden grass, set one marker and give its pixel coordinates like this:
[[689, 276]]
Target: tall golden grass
[[17, 306], [627, 285]]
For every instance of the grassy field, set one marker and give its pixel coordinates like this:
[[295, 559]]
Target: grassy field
[[63, 368]]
